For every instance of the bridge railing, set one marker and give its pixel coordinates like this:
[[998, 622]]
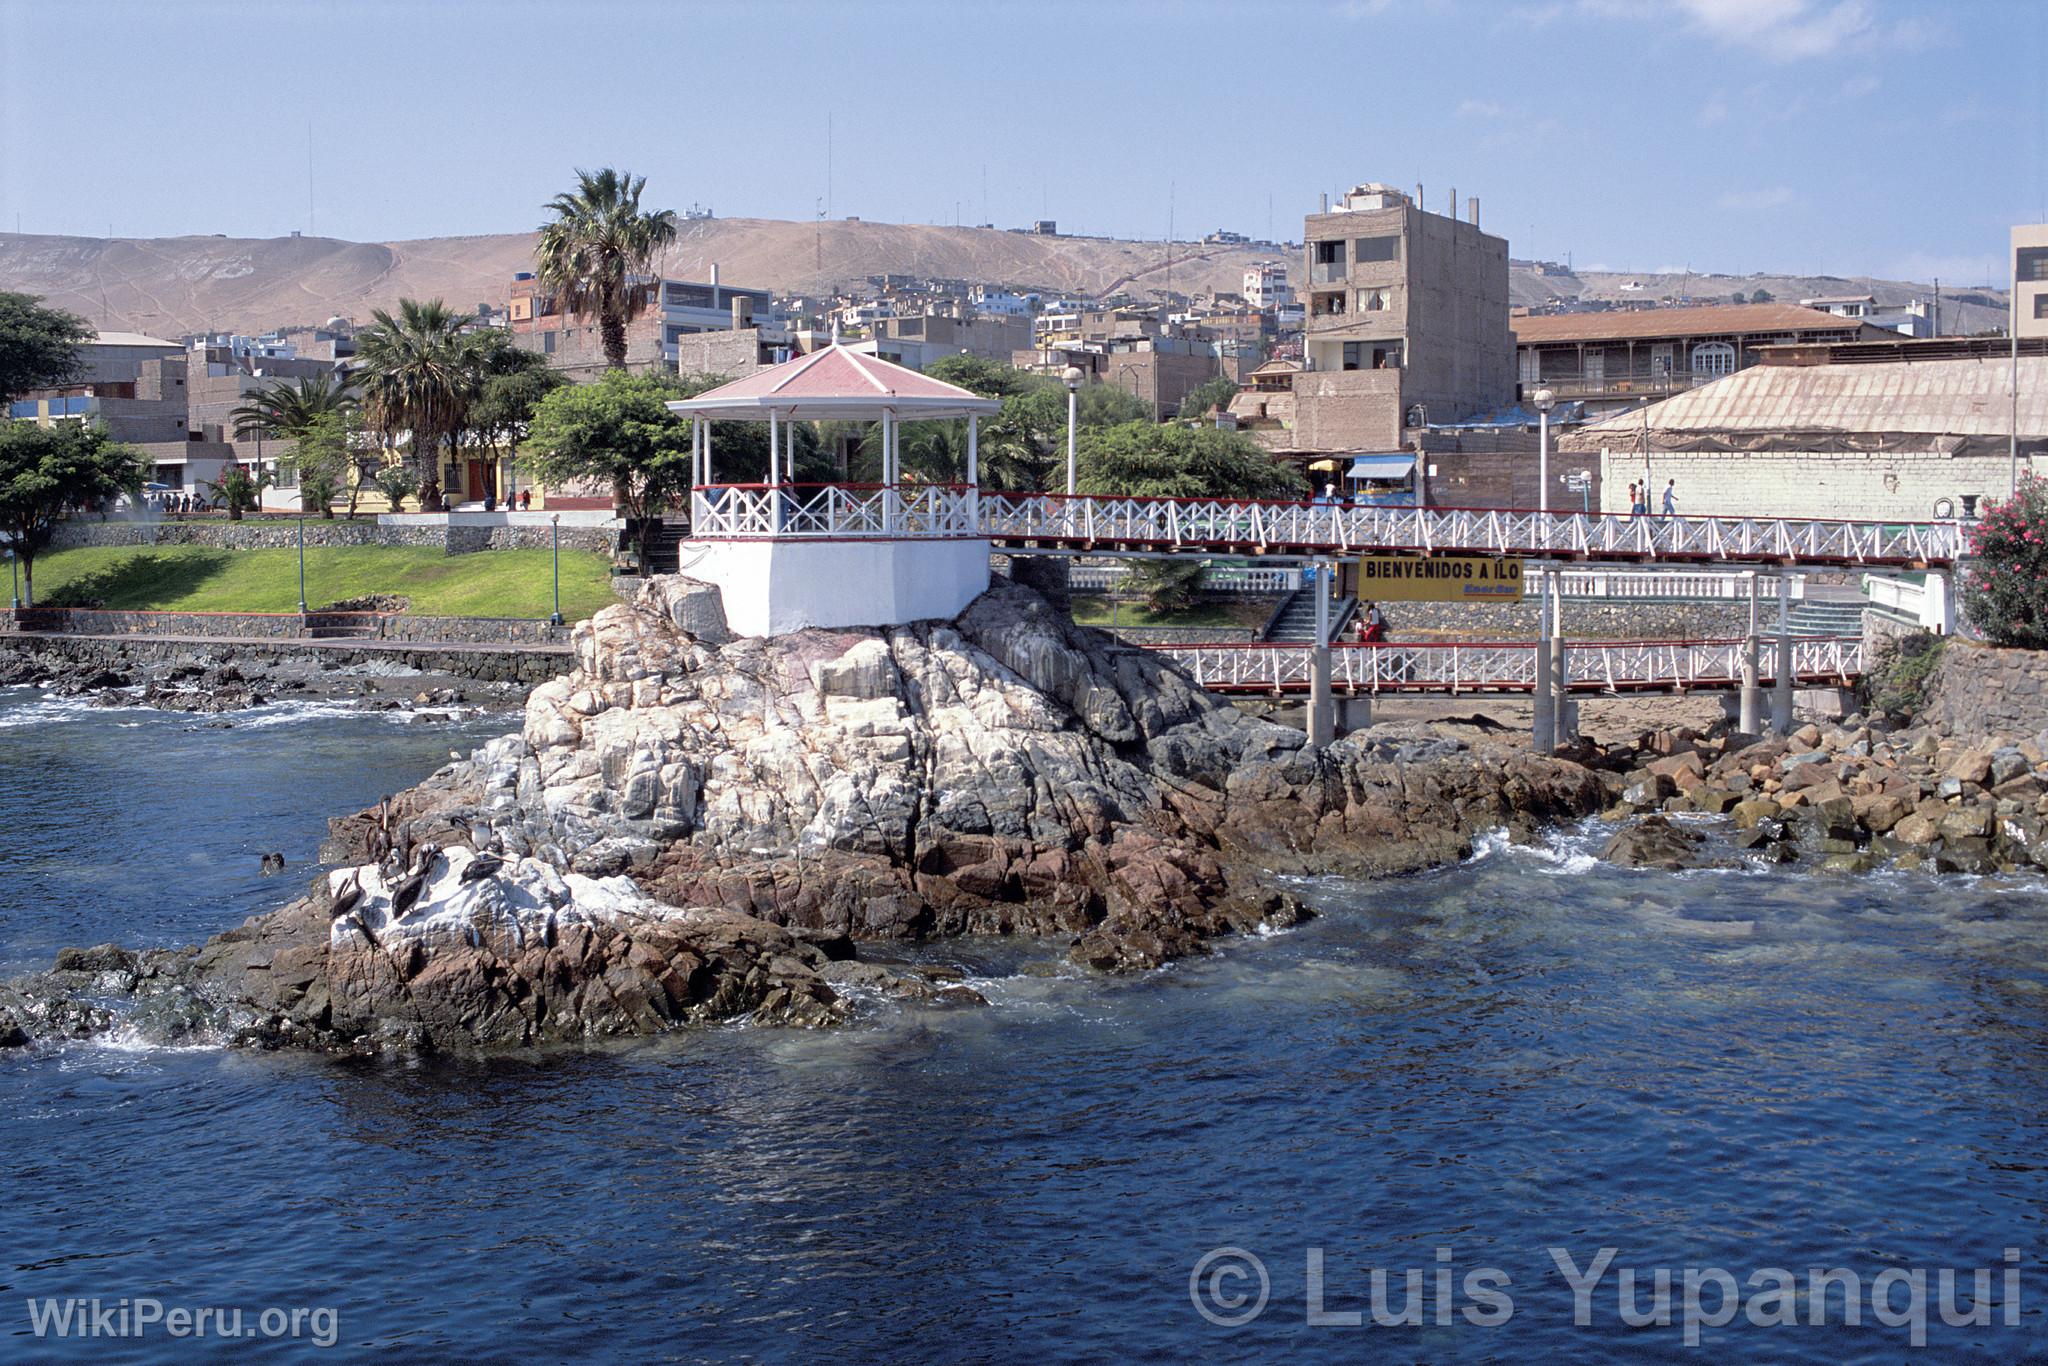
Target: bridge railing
[[1457, 666], [1624, 584], [1320, 527], [750, 511]]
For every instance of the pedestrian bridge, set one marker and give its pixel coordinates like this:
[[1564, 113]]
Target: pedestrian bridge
[[1613, 666], [1219, 526]]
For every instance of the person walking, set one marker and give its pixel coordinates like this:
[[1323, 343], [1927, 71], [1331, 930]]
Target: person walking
[[1631, 499], [1375, 624], [1670, 497]]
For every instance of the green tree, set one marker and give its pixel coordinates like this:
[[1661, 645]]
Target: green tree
[[238, 488], [39, 347], [617, 430], [1145, 460], [505, 405], [46, 471], [1761, 296], [1214, 393], [322, 452], [284, 410], [396, 481], [2005, 588], [419, 375], [599, 241]]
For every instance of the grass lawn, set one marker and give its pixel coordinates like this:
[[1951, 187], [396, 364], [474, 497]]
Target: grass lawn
[[1094, 610], [190, 578]]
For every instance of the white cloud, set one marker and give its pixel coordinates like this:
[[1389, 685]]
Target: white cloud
[[1755, 201], [1780, 30]]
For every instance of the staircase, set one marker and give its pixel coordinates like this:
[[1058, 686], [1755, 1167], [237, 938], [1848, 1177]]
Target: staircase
[[1824, 617], [664, 547], [341, 625], [1295, 622]]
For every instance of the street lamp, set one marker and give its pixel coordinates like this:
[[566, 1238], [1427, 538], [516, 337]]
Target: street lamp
[[1073, 378], [555, 526], [302, 564], [1543, 399]]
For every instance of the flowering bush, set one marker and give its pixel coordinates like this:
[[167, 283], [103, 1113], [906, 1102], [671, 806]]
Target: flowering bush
[[2005, 587]]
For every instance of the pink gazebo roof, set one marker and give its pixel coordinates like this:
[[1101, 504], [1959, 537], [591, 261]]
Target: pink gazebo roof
[[835, 383]]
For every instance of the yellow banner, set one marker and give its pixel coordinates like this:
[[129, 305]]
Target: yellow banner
[[1442, 578]]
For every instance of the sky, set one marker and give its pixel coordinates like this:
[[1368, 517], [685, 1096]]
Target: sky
[[1844, 137]]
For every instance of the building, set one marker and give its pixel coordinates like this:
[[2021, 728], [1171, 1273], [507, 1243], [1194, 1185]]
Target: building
[[1893, 430], [694, 327], [2030, 280], [1407, 311], [1266, 287], [1612, 361], [1007, 303], [918, 341], [1162, 370], [136, 387], [1913, 319]]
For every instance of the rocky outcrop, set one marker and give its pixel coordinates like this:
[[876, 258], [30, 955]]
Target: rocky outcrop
[[689, 829]]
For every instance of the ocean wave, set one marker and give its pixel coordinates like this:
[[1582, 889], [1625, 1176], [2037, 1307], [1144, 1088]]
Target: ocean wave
[[1560, 853]]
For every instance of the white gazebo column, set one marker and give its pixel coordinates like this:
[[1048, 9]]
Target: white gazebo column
[[973, 450], [772, 447], [888, 470]]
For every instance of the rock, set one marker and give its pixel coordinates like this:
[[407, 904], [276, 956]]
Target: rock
[[1807, 737], [1879, 812], [1917, 829], [2007, 764], [683, 822], [1966, 822], [1747, 813], [1847, 861], [1648, 792], [1967, 855], [1971, 766], [1652, 842], [1713, 800]]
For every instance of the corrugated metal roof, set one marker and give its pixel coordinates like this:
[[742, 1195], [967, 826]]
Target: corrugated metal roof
[[132, 339], [1675, 322], [1945, 397]]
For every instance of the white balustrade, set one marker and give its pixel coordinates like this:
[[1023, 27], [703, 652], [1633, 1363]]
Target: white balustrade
[[1453, 666], [1227, 525]]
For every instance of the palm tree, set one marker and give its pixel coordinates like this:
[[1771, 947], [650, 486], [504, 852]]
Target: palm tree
[[283, 410], [419, 376], [598, 243]]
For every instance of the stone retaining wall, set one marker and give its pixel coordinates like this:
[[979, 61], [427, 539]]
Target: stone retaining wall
[[1583, 620], [532, 665], [1980, 692], [282, 534], [390, 626]]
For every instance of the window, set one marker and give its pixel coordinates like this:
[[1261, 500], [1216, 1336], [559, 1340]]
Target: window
[[2030, 263], [1713, 358], [1531, 363], [1379, 249], [2041, 305], [547, 343], [1373, 300], [1329, 253], [1371, 355], [1660, 360]]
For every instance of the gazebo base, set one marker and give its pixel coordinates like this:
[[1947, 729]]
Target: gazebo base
[[773, 587]]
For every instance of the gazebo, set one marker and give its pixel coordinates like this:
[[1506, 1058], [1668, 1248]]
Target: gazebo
[[787, 555]]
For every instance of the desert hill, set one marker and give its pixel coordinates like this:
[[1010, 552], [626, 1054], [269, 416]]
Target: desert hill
[[174, 285], [168, 286]]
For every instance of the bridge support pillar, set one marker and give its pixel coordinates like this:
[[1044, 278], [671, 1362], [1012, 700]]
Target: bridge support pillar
[[1938, 604], [1566, 711], [1750, 718], [1544, 735], [1354, 713], [1781, 684], [1322, 720]]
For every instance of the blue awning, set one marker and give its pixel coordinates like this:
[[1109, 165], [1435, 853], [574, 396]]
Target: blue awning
[[1390, 466]]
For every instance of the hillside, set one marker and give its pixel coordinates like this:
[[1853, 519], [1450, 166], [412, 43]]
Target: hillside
[[1533, 285], [174, 285]]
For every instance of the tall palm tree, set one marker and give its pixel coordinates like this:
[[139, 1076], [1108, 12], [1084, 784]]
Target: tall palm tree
[[598, 243], [283, 410], [419, 375]]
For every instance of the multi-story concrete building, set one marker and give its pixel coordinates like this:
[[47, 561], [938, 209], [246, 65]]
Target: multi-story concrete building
[[1266, 287], [918, 341], [135, 386], [695, 327], [1407, 321], [2030, 280]]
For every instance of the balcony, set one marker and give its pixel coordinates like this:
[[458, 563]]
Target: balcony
[[1569, 389]]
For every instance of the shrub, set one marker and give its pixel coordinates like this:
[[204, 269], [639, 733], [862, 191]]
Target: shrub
[[1899, 675], [2005, 588]]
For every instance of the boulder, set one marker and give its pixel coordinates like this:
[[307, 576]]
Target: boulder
[[1652, 842]]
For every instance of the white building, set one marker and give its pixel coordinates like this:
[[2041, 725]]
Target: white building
[[1266, 287]]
